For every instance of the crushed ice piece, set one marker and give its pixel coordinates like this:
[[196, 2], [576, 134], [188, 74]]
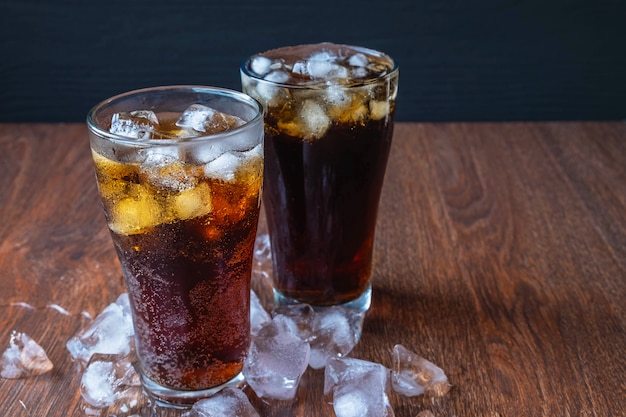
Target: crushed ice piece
[[276, 361], [108, 379], [23, 358], [413, 375], [259, 317], [357, 387], [111, 332], [335, 334], [300, 67], [137, 124], [229, 402], [205, 119]]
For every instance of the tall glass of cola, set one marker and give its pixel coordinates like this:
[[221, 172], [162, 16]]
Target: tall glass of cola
[[180, 171], [328, 130]]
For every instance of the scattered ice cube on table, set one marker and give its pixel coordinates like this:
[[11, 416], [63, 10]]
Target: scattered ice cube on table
[[276, 361], [301, 319], [207, 120], [229, 402], [259, 317], [335, 334], [413, 375], [110, 380], [23, 358], [357, 387], [139, 124], [111, 332]]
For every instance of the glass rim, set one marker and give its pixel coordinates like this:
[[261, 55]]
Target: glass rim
[[324, 83], [219, 91]]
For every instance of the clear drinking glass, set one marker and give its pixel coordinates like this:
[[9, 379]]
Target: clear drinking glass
[[329, 115], [180, 172]]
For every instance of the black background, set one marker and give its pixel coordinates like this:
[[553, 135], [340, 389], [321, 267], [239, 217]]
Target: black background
[[460, 60]]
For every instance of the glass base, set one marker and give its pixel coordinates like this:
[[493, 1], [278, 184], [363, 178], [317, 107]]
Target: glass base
[[361, 304], [172, 398]]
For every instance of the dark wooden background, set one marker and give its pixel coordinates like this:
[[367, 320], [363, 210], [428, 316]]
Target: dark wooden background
[[460, 59]]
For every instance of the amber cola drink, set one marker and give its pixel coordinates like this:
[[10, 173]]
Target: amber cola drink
[[180, 170], [328, 131]]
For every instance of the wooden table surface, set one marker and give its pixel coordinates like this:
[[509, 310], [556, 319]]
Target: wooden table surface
[[500, 256]]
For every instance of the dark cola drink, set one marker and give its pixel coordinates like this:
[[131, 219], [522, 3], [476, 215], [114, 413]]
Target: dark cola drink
[[182, 207], [328, 131]]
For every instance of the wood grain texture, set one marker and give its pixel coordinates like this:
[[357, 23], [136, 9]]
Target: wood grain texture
[[483, 60], [500, 255]]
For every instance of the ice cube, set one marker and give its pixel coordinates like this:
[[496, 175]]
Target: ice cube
[[193, 202], [301, 319], [323, 65], [358, 60], [379, 109], [135, 214], [259, 317], [223, 167], [314, 120], [23, 358], [137, 124], [335, 334], [207, 120], [229, 402], [260, 65], [413, 375], [268, 92], [357, 388], [107, 379], [300, 68], [276, 361], [163, 167], [111, 332]]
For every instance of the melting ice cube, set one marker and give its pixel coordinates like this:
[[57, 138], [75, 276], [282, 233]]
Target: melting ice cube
[[223, 167], [276, 361], [205, 119], [413, 375], [24, 357], [137, 124], [357, 387], [229, 402], [111, 332]]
